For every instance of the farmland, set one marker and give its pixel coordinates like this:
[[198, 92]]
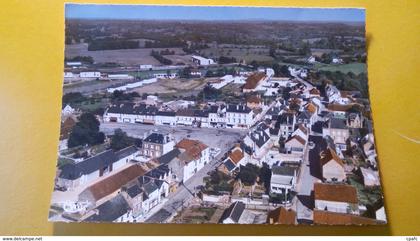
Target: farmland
[[355, 68], [121, 56]]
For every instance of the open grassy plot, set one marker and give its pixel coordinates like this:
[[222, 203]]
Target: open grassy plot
[[356, 68]]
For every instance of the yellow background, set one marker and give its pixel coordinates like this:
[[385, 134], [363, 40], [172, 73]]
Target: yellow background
[[31, 70]]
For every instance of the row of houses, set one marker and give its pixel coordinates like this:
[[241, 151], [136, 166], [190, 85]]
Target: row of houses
[[234, 116], [119, 188], [334, 204]]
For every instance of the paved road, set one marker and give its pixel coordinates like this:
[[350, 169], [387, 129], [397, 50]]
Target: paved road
[[220, 138], [306, 83], [93, 86], [183, 194]]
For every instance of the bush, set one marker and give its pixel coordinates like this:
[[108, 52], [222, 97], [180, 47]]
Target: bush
[[86, 132]]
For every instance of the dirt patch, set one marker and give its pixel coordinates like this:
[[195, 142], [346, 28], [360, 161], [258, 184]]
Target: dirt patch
[[173, 86]]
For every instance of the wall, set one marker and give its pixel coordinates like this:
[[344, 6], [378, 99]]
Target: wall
[[31, 67]]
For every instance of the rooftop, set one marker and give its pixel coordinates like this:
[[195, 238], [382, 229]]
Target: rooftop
[[335, 192], [253, 80], [281, 215]]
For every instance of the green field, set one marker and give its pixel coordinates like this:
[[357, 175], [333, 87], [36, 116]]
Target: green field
[[356, 68]]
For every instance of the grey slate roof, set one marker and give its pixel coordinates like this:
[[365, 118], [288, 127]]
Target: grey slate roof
[[110, 210], [150, 187], [285, 119], [284, 170], [165, 113], [87, 166], [158, 172], [259, 138], [238, 109], [157, 138], [304, 115], [134, 190], [337, 123], [234, 212], [166, 158], [229, 165], [125, 152], [131, 108]]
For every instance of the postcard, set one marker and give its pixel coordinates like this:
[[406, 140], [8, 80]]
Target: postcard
[[228, 115]]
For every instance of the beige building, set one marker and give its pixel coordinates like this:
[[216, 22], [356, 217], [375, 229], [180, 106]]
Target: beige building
[[332, 166]]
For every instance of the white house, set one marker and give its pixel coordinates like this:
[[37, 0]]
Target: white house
[[89, 75], [146, 66], [311, 60], [73, 63], [217, 116], [354, 120], [332, 167], [295, 145], [260, 141], [239, 116], [338, 130], [336, 60], [157, 144], [67, 110], [283, 179], [286, 122], [237, 214], [166, 118], [234, 160], [165, 75], [83, 172], [222, 82], [120, 77], [194, 154], [201, 60], [335, 96]]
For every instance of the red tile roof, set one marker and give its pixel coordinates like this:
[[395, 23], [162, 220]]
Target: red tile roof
[[253, 99], [328, 155], [114, 182], [236, 156], [331, 218], [253, 80], [314, 91], [281, 216], [311, 108], [335, 192], [193, 149]]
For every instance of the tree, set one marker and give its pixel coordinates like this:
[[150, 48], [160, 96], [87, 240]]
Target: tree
[[119, 95], [226, 60], [120, 140], [248, 174], [281, 144], [186, 72], [209, 93], [72, 98], [265, 176], [86, 132], [286, 93]]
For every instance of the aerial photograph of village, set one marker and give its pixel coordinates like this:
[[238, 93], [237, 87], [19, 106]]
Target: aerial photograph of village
[[229, 115]]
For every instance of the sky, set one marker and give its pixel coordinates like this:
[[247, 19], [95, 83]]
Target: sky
[[145, 12]]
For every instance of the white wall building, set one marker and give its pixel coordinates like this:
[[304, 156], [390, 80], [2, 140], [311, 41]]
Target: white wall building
[[88, 75], [201, 60]]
